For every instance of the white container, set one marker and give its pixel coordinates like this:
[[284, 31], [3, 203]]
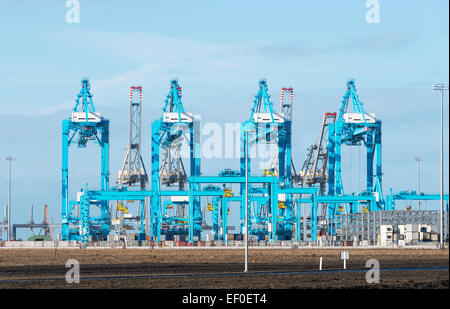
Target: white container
[[386, 237], [387, 243], [386, 228], [411, 228], [411, 236], [169, 243], [424, 236]]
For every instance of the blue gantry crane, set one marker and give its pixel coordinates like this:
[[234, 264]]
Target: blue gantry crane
[[174, 127], [410, 195], [354, 127], [265, 126], [84, 125]]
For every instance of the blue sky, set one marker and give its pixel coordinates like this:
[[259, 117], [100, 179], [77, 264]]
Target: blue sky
[[218, 50]]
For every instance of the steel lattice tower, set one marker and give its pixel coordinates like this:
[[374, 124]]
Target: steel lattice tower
[[133, 168]]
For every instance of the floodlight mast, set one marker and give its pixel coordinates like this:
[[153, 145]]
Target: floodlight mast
[[10, 159], [441, 88]]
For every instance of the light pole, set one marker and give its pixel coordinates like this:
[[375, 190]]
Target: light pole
[[10, 159], [246, 202], [441, 88], [418, 160]]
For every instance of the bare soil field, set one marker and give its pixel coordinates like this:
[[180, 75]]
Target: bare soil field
[[219, 268]]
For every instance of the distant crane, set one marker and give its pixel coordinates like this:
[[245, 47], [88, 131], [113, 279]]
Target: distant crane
[[133, 170], [286, 104], [44, 226], [314, 169]]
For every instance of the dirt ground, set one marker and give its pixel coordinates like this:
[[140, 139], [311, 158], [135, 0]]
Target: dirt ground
[[213, 268]]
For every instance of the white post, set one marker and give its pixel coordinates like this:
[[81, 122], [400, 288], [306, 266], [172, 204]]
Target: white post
[[320, 264], [344, 256]]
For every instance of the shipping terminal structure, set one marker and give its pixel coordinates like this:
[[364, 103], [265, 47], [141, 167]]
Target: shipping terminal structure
[[177, 200]]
